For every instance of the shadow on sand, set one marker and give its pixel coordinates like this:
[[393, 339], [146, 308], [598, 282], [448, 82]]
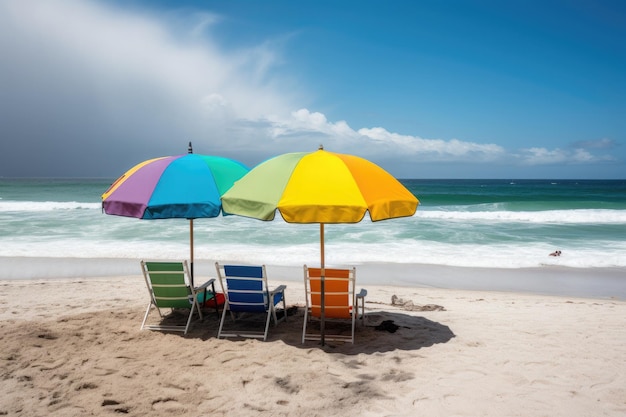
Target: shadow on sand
[[399, 331]]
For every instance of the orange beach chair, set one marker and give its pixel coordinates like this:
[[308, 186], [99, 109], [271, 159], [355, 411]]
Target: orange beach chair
[[341, 302]]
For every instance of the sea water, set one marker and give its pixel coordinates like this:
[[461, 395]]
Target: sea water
[[466, 223]]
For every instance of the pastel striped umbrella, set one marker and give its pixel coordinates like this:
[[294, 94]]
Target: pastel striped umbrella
[[319, 187], [183, 186]]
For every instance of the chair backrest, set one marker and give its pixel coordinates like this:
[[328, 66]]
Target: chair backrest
[[246, 287], [167, 283], [338, 291]]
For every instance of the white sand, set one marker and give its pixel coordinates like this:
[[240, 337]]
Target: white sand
[[73, 347]]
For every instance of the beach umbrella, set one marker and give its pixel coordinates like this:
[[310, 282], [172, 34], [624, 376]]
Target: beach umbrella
[[319, 187], [187, 186]]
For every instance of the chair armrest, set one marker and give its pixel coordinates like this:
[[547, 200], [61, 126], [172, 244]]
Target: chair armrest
[[205, 285], [280, 288], [362, 293]]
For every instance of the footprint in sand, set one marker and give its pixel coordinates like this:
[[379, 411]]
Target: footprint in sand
[[166, 404], [396, 375], [103, 371], [286, 384], [172, 390], [113, 403], [86, 385]]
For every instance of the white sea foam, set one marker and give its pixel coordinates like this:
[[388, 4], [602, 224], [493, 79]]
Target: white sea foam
[[42, 206], [337, 253]]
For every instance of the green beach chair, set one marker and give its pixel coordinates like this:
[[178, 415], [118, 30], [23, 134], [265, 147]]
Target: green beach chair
[[168, 285]]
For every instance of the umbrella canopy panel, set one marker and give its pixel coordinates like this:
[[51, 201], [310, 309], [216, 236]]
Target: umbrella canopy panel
[[319, 187], [184, 186]]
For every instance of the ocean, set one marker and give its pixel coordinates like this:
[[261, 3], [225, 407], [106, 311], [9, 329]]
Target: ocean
[[465, 223]]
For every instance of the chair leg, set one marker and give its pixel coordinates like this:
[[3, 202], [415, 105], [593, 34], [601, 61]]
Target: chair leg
[[197, 307], [306, 317], [285, 307], [271, 312], [217, 308], [145, 317], [362, 303], [219, 332], [284, 311], [354, 319]]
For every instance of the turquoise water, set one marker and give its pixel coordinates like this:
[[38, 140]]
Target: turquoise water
[[521, 195], [475, 223]]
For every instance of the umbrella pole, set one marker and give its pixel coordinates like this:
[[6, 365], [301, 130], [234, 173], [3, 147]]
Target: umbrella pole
[[191, 249], [322, 283]]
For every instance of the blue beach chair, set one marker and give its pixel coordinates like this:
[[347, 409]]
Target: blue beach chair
[[246, 291]]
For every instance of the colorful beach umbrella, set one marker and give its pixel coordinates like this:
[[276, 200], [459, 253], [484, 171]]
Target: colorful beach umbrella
[[319, 187], [185, 186]]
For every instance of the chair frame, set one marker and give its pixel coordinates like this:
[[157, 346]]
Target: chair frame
[[354, 301], [192, 293], [268, 305]]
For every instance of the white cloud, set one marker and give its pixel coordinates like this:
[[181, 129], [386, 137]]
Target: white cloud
[[204, 21], [603, 143], [305, 121], [378, 141], [543, 156], [437, 149], [581, 155], [538, 156]]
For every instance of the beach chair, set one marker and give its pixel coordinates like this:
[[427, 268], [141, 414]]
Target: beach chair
[[168, 285], [246, 291], [341, 302]]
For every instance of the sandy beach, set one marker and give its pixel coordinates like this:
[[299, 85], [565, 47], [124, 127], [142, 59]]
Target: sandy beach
[[72, 347]]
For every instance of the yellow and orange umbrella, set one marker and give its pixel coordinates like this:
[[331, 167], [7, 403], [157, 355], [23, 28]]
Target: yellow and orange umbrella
[[319, 187]]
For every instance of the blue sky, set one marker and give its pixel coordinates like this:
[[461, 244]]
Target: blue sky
[[426, 89]]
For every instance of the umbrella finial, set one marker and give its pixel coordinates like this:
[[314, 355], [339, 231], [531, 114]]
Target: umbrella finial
[[321, 148], [189, 148]]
